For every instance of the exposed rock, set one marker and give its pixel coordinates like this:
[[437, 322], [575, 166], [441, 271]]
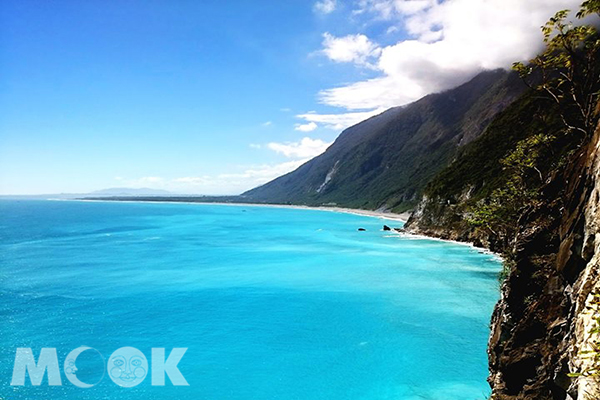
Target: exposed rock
[[361, 229], [386, 228], [543, 323], [542, 326]]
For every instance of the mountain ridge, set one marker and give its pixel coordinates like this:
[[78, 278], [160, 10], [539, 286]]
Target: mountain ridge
[[385, 161]]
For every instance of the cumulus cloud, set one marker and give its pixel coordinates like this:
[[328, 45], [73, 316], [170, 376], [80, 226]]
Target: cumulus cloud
[[306, 148], [237, 182], [339, 121], [311, 126], [325, 6], [351, 48], [386, 9], [449, 42], [232, 183], [260, 174], [195, 180]]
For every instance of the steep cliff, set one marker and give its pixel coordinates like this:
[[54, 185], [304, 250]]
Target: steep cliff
[[544, 324], [543, 339]]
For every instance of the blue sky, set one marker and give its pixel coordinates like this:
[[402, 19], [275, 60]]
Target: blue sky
[[214, 97]]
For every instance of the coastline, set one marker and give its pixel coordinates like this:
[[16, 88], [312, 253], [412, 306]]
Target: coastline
[[366, 213]]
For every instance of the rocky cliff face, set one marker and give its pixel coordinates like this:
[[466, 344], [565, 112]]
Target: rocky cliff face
[[583, 240], [543, 325], [542, 343]]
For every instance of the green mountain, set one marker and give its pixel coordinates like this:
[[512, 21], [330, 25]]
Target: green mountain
[[386, 161], [479, 169]]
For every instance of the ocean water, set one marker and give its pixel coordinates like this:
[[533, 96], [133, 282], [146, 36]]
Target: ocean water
[[271, 303]]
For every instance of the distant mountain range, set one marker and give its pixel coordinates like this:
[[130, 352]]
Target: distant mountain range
[[386, 161]]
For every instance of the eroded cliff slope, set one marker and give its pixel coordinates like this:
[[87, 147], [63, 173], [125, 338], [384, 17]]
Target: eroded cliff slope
[[544, 324]]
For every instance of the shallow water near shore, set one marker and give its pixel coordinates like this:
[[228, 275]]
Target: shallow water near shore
[[272, 303]]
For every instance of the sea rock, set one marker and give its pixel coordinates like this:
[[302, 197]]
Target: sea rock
[[386, 228], [361, 229]]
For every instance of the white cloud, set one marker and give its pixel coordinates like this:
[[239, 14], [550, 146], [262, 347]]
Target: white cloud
[[386, 9], [339, 121], [267, 123], [351, 48], [220, 184], [255, 146], [325, 6], [306, 148], [150, 180], [450, 42], [392, 29], [195, 180], [260, 174], [311, 126]]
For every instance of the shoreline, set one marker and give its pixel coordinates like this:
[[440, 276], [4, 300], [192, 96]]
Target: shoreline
[[356, 211], [365, 213]]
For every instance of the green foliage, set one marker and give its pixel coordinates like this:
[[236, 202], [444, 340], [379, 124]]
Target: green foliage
[[525, 158], [568, 69], [500, 212], [507, 264], [589, 7]]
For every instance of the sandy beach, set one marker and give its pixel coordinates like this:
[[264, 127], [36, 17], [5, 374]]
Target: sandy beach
[[384, 215]]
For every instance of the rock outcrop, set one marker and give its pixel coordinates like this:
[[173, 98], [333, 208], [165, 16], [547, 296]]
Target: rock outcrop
[[543, 339], [542, 328]]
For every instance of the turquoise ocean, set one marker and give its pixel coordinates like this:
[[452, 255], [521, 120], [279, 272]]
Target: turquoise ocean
[[271, 303]]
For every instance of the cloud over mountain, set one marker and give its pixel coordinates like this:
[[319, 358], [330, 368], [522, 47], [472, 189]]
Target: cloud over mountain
[[446, 43]]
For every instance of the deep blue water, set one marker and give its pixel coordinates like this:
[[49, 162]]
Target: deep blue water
[[271, 303]]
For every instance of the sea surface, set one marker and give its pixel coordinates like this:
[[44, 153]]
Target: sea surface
[[271, 303]]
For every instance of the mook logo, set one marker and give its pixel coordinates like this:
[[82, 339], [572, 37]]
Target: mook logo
[[127, 367]]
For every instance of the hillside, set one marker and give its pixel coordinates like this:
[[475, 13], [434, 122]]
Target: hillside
[[478, 170], [386, 161]]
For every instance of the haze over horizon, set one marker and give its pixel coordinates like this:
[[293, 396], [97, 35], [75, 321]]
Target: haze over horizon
[[194, 98]]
